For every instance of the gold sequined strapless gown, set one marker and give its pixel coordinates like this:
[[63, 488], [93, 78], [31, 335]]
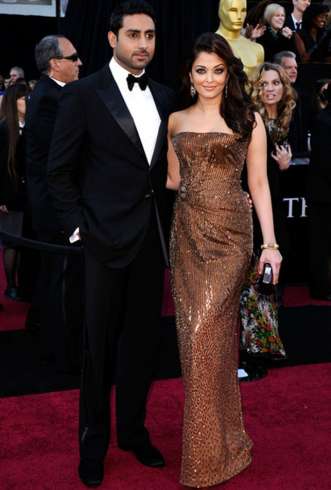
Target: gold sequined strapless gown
[[211, 246]]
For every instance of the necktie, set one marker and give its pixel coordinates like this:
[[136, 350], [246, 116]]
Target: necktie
[[298, 26], [142, 81]]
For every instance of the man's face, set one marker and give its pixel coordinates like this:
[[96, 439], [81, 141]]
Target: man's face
[[134, 46], [64, 69], [291, 67], [301, 5], [232, 14]]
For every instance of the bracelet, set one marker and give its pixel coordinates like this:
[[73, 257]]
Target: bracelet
[[269, 246]]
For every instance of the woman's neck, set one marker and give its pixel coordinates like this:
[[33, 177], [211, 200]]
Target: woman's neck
[[209, 106], [313, 31], [272, 111]]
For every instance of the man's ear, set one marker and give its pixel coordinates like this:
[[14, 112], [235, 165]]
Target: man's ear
[[112, 39], [53, 63]]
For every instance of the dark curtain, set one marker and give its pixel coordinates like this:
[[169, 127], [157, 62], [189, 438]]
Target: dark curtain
[[18, 36], [179, 22]]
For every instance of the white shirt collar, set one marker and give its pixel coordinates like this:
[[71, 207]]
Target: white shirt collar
[[119, 73], [62, 84], [296, 21]]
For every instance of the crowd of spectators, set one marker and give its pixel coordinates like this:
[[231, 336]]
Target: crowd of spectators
[[290, 39]]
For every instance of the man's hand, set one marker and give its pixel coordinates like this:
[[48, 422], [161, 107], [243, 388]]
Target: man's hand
[[3, 209]]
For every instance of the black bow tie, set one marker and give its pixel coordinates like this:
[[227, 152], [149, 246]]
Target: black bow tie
[[142, 81]]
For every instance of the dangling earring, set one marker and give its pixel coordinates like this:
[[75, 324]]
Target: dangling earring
[[226, 90], [192, 91]]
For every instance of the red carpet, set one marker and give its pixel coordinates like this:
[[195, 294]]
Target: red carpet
[[287, 415]]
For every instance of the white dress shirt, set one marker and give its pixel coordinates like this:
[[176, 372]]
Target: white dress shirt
[[141, 106], [62, 84], [297, 23]]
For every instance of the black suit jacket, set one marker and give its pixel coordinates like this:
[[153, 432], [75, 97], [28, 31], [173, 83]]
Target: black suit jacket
[[99, 177], [319, 184], [40, 121], [289, 22]]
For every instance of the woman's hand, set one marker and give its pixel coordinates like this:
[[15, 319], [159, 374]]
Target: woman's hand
[[287, 32], [282, 155], [272, 257], [3, 208], [257, 31]]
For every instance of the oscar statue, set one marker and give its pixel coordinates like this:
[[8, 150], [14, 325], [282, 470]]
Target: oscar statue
[[232, 14]]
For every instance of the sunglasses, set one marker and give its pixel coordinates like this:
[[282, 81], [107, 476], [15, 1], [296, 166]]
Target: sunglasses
[[72, 57]]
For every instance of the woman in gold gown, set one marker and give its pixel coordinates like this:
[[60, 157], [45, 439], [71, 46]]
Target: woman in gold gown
[[211, 246]]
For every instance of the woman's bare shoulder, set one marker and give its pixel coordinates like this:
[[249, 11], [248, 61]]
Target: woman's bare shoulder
[[176, 120]]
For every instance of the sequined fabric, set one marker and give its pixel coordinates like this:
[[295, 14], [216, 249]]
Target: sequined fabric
[[211, 246]]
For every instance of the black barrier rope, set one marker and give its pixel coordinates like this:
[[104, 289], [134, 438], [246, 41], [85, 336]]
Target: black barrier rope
[[16, 241]]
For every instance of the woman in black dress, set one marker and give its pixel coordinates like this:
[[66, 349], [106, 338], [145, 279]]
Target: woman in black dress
[[313, 41], [273, 97], [276, 37], [12, 194]]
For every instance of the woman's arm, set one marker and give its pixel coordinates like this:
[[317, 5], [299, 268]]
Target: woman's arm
[[260, 194], [173, 179], [301, 48]]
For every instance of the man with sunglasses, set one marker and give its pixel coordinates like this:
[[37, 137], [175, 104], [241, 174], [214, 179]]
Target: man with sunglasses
[[58, 62]]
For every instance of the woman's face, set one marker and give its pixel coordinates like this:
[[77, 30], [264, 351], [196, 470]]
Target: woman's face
[[272, 88], [209, 75], [278, 19], [320, 21], [21, 106]]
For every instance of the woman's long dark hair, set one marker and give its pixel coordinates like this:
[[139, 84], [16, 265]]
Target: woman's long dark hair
[[236, 107], [9, 114]]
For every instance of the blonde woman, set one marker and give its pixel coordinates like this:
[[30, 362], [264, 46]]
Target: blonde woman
[[276, 37]]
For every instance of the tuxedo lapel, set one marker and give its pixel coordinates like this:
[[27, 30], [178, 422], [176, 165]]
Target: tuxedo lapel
[[160, 103], [112, 98]]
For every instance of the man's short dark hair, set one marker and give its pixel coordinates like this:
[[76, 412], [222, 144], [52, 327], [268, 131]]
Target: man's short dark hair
[[278, 58], [45, 50], [129, 8]]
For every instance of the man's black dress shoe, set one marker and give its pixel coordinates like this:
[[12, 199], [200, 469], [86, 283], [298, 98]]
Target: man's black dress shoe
[[146, 454], [90, 472]]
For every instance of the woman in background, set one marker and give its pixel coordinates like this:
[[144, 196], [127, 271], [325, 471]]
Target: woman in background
[[276, 37], [274, 99], [12, 171], [313, 40]]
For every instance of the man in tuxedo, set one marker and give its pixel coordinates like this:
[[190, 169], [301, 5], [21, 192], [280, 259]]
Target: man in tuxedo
[[294, 19], [58, 62], [107, 175]]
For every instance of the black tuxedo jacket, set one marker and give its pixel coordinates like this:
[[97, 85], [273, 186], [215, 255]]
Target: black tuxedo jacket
[[40, 121], [319, 184], [98, 175], [289, 22]]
